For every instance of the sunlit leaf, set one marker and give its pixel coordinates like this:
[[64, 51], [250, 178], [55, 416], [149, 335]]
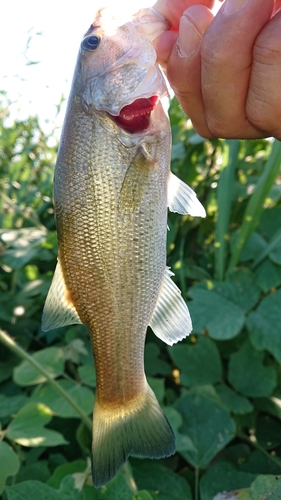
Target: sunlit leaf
[[28, 427], [47, 395]]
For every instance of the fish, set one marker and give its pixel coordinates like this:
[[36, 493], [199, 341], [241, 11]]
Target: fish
[[112, 188]]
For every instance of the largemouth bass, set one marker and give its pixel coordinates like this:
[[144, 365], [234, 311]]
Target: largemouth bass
[[112, 188]]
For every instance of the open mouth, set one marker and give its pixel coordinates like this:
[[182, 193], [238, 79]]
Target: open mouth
[[136, 116]]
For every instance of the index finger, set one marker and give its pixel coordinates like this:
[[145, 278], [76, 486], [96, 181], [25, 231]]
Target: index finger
[[172, 10]]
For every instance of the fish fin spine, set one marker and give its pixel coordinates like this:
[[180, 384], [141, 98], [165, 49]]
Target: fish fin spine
[[170, 320], [59, 309], [182, 199], [139, 428]]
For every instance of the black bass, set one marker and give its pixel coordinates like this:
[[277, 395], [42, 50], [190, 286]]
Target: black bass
[[111, 192]]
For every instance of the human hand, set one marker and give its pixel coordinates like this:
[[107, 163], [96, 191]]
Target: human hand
[[226, 70]]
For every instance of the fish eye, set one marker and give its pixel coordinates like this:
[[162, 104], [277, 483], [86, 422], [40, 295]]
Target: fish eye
[[90, 43]]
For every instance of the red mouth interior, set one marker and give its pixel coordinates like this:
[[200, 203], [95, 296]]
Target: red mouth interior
[[136, 116]]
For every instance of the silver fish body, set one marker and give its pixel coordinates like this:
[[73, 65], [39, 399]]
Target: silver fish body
[[111, 197]]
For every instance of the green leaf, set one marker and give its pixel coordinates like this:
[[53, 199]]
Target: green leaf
[[270, 222], [254, 247], [264, 325], [268, 432], [47, 395], [255, 205], [154, 365], [11, 404], [224, 199], [87, 375], [275, 254], [28, 427], [206, 422], [65, 470], [9, 463], [248, 375], [236, 404], [259, 463], [158, 387], [240, 287], [194, 362], [209, 310], [175, 420], [266, 487], [38, 471], [122, 487], [223, 477], [143, 495], [51, 358], [33, 490], [155, 477], [268, 275]]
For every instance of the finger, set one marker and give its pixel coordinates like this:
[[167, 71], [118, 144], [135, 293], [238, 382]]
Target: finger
[[184, 65], [226, 54], [173, 10], [264, 101]]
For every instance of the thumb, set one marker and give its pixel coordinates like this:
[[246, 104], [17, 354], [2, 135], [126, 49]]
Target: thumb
[[184, 64]]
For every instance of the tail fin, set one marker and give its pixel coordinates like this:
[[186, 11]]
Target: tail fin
[[139, 428]]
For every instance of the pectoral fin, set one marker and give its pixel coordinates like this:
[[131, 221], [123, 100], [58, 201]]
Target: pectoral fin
[[182, 199], [171, 320], [58, 310], [135, 181]]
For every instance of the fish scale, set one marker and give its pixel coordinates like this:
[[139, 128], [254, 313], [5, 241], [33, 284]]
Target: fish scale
[[112, 187]]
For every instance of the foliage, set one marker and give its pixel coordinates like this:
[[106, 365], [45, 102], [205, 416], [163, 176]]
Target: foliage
[[220, 388]]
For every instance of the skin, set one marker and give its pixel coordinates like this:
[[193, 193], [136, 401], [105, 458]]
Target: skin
[[227, 75]]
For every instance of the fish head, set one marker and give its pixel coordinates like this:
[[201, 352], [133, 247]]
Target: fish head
[[118, 73]]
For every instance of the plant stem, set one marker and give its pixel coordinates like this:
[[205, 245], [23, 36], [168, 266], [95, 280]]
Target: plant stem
[[255, 205], [196, 495], [13, 346], [256, 445], [224, 197]]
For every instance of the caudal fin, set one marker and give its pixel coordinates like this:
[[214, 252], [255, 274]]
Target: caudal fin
[[139, 428]]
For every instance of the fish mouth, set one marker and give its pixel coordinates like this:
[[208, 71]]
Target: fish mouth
[[135, 117]]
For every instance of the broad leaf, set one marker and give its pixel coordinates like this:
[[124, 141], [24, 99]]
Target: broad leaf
[[88, 375], [11, 404], [268, 275], [175, 420], [222, 318], [266, 487], [236, 404], [28, 427], [9, 463], [51, 359], [59, 406], [206, 422], [264, 325], [33, 490], [154, 365], [223, 477], [247, 373], [193, 360], [155, 477]]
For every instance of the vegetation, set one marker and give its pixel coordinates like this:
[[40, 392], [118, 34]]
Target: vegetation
[[220, 388]]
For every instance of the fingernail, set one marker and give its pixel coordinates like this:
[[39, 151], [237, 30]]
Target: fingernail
[[232, 6], [189, 38]]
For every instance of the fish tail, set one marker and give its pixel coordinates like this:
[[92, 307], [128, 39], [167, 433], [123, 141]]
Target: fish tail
[[138, 428]]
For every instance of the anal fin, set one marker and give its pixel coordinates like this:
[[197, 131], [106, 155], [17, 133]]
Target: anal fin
[[182, 199], [58, 310], [171, 320]]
